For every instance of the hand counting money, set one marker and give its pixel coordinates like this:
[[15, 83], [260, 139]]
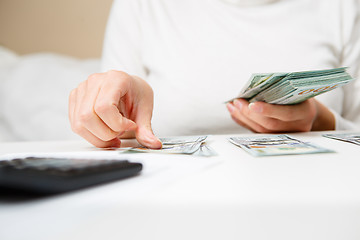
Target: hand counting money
[[293, 87]]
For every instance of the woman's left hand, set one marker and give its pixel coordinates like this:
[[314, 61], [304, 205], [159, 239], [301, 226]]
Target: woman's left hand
[[262, 117]]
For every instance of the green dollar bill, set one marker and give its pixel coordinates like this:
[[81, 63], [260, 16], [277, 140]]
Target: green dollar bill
[[292, 87], [273, 145], [346, 137]]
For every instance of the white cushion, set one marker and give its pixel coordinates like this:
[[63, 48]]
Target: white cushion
[[34, 94]]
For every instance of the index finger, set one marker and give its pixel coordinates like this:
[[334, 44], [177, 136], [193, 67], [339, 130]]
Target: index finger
[[106, 106]]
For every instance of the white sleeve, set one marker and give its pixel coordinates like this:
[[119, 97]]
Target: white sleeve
[[123, 39], [349, 119]]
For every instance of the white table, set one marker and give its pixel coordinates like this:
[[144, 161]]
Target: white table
[[230, 196]]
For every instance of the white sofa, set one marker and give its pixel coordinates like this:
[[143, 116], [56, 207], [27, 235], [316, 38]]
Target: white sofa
[[34, 92]]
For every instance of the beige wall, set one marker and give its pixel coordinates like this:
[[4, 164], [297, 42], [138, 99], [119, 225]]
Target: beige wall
[[72, 27]]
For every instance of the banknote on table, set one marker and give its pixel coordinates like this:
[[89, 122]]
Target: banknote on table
[[195, 145], [292, 87], [272, 145], [347, 137], [205, 151]]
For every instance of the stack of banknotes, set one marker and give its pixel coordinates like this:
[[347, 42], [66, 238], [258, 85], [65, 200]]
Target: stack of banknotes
[[274, 145], [293, 87], [256, 145], [192, 145], [346, 137]]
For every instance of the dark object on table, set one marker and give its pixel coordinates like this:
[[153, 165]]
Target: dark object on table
[[57, 175]]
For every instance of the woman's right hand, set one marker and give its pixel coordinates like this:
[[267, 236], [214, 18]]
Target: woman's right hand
[[113, 105]]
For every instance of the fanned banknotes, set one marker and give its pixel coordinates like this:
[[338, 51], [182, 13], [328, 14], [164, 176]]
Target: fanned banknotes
[[195, 145], [293, 87], [273, 145], [346, 137]]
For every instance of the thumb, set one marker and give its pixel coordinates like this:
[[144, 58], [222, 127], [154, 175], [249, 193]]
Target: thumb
[[146, 137]]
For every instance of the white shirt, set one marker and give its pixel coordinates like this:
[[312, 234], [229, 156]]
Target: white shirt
[[198, 54]]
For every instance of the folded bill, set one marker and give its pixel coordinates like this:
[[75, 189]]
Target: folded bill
[[205, 151], [347, 137], [292, 87], [273, 145]]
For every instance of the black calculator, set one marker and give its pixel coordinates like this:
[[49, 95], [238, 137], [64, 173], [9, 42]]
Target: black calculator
[[57, 175]]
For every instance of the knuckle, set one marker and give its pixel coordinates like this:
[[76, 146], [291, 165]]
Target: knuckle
[[93, 77], [72, 95], [119, 79], [85, 116], [117, 74], [73, 92], [78, 128], [101, 108], [81, 85]]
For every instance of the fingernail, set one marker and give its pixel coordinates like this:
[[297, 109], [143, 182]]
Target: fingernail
[[255, 107], [230, 107], [238, 104], [153, 140], [158, 143]]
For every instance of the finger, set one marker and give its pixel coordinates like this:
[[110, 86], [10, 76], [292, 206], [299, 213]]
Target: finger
[[146, 137], [97, 142], [86, 114], [76, 97], [277, 125], [259, 123], [282, 112], [238, 115], [237, 119], [106, 106], [144, 133], [71, 106]]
